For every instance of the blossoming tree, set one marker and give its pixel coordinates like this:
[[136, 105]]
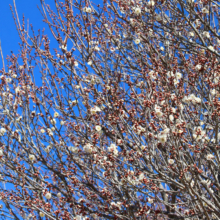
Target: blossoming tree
[[124, 123]]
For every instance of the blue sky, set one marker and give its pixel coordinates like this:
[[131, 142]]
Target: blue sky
[[8, 33]]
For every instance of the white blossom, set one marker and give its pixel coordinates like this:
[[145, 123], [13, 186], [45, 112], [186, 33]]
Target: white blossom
[[151, 3], [152, 74], [87, 9], [98, 128], [48, 148], [206, 34], [178, 75], [2, 131], [198, 67], [191, 34], [205, 10], [158, 111], [31, 157], [41, 214], [62, 122], [137, 11], [211, 48], [171, 117], [75, 63], [73, 149], [150, 200], [89, 63], [113, 149], [95, 109], [88, 148], [170, 74], [48, 195], [137, 41], [162, 138], [53, 121], [56, 114], [210, 157], [171, 161], [141, 176], [59, 195], [213, 92]]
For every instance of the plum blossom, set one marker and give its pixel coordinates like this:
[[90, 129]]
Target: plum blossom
[[41, 214], [48, 148], [95, 109], [170, 74], [198, 133], [48, 195], [59, 195], [89, 63], [137, 41], [213, 92], [88, 148], [158, 111], [73, 149], [171, 117], [152, 74], [87, 9], [75, 63], [191, 34], [211, 48], [198, 67], [205, 10], [206, 34], [31, 157], [151, 3], [62, 122], [2, 131], [178, 75], [98, 128], [150, 200], [53, 121], [162, 138], [210, 157], [56, 114], [113, 148], [138, 129], [171, 161], [137, 11], [141, 176]]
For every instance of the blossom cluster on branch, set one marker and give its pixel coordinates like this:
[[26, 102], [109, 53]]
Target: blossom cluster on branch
[[119, 120]]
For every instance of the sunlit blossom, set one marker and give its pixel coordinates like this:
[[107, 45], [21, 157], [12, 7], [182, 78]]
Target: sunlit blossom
[[162, 138], [41, 214], [48, 195], [113, 148], [198, 67], [56, 114], [98, 128], [171, 161], [137, 41], [31, 157], [88, 148], [2, 131], [205, 10], [137, 11], [210, 157]]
